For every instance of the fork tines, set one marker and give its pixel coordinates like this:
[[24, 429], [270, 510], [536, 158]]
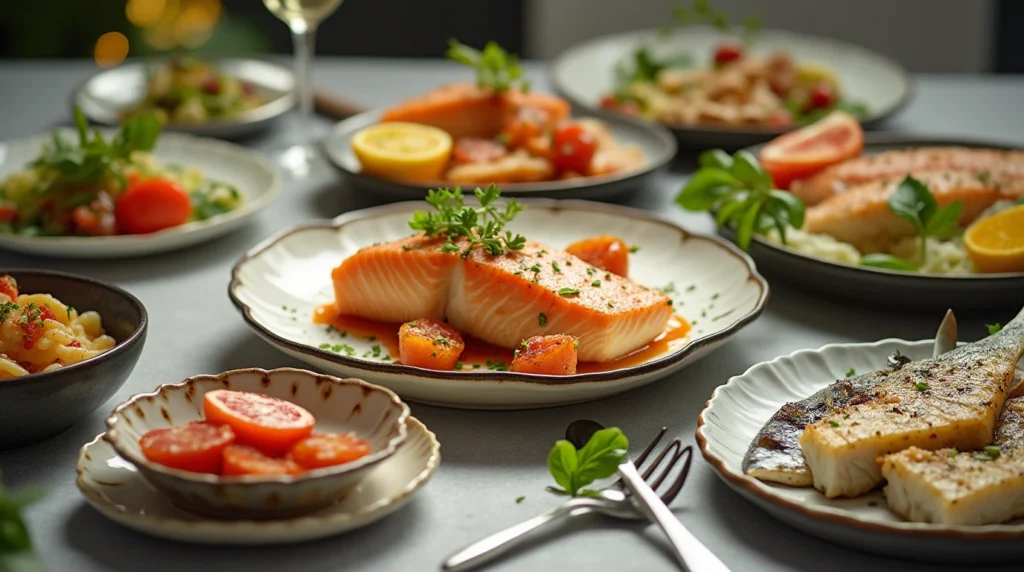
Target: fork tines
[[678, 452]]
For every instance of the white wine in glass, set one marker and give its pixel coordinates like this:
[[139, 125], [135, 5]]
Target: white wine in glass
[[302, 17]]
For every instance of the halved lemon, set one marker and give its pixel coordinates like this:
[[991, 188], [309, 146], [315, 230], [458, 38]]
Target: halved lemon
[[996, 243], [408, 152]]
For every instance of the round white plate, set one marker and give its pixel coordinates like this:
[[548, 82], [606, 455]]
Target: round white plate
[[657, 143], [585, 73], [248, 171], [738, 410], [114, 487], [278, 284], [107, 95]]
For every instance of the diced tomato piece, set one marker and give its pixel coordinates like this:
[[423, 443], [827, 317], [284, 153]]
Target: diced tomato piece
[[152, 205], [473, 150], [801, 153], [326, 450], [605, 251], [549, 355], [269, 424], [823, 95], [46, 313], [242, 460], [196, 447], [9, 286], [74, 344], [728, 52], [527, 124], [431, 344], [572, 149]]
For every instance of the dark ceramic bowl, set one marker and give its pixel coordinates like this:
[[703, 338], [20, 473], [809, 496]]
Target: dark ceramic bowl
[[38, 406]]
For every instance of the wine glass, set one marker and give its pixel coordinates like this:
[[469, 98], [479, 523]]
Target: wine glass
[[302, 17]]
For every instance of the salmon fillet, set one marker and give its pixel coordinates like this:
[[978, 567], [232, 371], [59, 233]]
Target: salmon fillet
[[861, 216], [952, 487], [896, 164], [953, 400], [502, 299]]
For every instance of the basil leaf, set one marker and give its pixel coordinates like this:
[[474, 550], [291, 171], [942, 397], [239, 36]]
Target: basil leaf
[[705, 189], [747, 169], [945, 220], [794, 207], [732, 211], [715, 158], [563, 465], [912, 201], [82, 125], [745, 228], [601, 456], [888, 262]]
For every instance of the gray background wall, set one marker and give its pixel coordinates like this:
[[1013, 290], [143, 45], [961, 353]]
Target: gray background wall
[[925, 35]]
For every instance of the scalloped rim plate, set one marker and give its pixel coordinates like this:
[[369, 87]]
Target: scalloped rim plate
[[736, 412], [278, 284]]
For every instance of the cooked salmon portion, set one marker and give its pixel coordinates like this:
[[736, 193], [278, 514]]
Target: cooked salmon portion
[[502, 299], [861, 215], [953, 487], [892, 165], [953, 400]]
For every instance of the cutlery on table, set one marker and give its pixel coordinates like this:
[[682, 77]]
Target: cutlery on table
[[333, 106], [610, 500]]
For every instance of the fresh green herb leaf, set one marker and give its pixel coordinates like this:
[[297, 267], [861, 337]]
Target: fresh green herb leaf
[[913, 202], [834, 423], [993, 451], [982, 457], [481, 226], [542, 319], [993, 328], [851, 372], [496, 365], [520, 499], [568, 292], [495, 67], [921, 386], [598, 459], [595, 283], [887, 261], [555, 267], [634, 249], [458, 365]]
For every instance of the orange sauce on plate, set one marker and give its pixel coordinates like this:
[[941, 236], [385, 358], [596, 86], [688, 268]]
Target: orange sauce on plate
[[480, 354]]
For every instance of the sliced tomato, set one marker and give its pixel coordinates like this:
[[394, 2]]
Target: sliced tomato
[[242, 460], [196, 447], [728, 52], [604, 251], [801, 153], [326, 450], [269, 424], [572, 149], [473, 150], [9, 286], [151, 205]]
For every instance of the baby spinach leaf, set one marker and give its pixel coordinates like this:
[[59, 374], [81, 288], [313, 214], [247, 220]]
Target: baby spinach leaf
[[888, 262]]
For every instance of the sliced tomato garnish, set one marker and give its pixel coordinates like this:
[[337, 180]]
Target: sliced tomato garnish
[[269, 424], [195, 447], [328, 449], [801, 153]]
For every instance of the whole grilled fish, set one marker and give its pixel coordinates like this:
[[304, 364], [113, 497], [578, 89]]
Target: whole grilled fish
[[953, 400], [775, 454]]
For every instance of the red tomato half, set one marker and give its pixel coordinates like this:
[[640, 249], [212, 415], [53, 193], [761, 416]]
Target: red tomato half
[[269, 424], [572, 149], [473, 150], [152, 205], [9, 286], [196, 447], [801, 153], [823, 95]]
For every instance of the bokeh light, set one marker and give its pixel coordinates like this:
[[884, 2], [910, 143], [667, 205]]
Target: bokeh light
[[111, 49], [145, 13], [169, 24]]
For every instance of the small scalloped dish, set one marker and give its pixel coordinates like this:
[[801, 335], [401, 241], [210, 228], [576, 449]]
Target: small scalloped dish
[[339, 406]]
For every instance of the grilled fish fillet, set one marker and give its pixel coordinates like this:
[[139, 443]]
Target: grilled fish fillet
[[894, 165], [861, 216], [951, 487], [953, 400], [502, 299]]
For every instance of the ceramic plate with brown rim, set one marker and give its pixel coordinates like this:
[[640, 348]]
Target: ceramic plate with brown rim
[[279, 285], [738, 410]]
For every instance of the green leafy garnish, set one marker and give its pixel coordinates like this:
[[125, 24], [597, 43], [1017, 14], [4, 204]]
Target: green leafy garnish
[[542, 319], [598, 459], [701, 12], [851, 372], [520, 499], [913, 202], [496, 365], [481, 226], [994, 328], [993, 451], [568, 292], [887, 261], [16, 552], [739, 192], [921, 386], [495, 68]]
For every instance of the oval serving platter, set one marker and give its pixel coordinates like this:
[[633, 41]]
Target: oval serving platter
[[107, 95], [658, 145], [585, 73], [250, 173], [736, 412], [890, 287], [278, 285]]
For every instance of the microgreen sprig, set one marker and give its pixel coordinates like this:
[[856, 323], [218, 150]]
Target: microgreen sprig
[[495, 68], [598, 459], [740, 194], [701, 12], [482, 226]]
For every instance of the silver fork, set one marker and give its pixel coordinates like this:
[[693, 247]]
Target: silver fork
[[609, 500]]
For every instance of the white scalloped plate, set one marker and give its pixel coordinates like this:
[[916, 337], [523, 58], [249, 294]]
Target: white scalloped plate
[[114, 487], [738, 410], [278, 284], [254, 177]]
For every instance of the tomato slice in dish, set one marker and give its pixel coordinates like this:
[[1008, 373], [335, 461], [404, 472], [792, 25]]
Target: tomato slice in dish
[[242, 460], [329, 449], [801, 153], [196, 447], [269, 424]]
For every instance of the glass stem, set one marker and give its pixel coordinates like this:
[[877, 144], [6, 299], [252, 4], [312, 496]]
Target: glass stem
[[304, 40]]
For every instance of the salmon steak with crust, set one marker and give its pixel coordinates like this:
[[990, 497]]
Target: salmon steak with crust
[[501, 299]]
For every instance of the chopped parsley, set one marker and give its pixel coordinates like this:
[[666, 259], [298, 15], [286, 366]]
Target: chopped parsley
[[520, 499], [993, 451], [566, 292], [591, 271], [634, 249], [595, 283], [453, 219], [439, 341], [607, 275], [921, 386], [554, 266], [851, 372], [542, 319], [994, 328], [834, 423], [668, 288], [535, 268], [691, 287], [458, 365], [496, 365]]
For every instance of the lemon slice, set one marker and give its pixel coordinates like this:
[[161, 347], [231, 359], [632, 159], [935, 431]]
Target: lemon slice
[[407, 152], [996, 243]]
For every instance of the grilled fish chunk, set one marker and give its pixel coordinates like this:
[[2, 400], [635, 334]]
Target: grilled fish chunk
[[969, 488], [953, 400]]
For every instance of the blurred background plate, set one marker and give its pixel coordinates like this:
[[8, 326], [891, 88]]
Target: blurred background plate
[[107, 95], [585, 73]]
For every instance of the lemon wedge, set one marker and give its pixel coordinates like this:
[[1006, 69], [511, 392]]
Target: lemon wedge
[[996, 243], [408, 152], [811, 73]]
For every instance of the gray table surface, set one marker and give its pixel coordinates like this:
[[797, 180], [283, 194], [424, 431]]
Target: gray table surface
[[488, 458]]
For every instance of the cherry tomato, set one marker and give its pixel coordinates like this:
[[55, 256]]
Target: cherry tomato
[[152, 205], [211, 86], [325, 450], [242, 460], [473, 150], [610, 102], [572, 149], [823, 95], [728, 52], [8, 214], [605, 251], [269, 424], [9, 286], [196, 447], [627, 107], [801, 153]]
